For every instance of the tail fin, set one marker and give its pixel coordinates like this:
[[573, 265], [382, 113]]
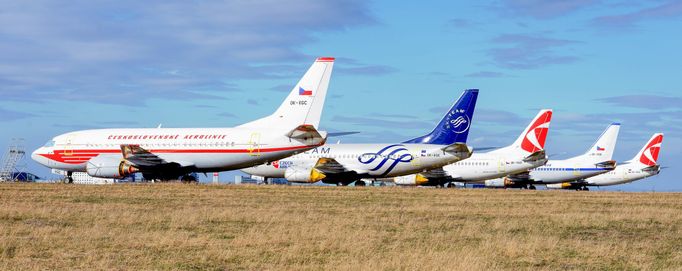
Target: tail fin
[[304, 104], [602, 150], [649, 153], [454, 127], [534, 136]]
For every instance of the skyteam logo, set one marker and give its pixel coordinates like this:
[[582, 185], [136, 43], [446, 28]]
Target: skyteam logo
[[457, 121], [387, 158]]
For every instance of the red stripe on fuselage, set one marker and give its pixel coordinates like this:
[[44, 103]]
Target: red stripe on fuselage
[[76, 156]]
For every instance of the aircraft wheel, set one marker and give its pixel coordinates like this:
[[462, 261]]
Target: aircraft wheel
[[188, 179], [450, 185], [531, 187], [359, 183], [586, 189]]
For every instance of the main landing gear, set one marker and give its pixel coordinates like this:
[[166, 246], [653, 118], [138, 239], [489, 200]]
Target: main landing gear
[[68, 178], [188, 179]]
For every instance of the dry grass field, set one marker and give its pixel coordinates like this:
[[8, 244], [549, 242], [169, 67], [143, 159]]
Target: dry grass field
[[207, 227]]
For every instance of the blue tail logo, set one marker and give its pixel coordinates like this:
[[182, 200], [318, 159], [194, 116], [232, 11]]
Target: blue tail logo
[[454, 127]]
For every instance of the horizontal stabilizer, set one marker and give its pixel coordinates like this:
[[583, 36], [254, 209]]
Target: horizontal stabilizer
[[535, 156], [607, 164], [341, 134], [308, 134], [459, 149]]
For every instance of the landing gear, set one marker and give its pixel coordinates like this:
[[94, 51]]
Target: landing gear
[[531, 187], [188, 179], [360, 183], [68, 178], [450, 185]]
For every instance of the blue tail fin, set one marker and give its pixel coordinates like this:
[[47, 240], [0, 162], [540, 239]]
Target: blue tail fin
[[454, 127]]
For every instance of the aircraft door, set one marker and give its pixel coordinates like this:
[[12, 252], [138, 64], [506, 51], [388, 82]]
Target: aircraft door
[[254, 144], [416, 160], [501, 166], [68, 146]]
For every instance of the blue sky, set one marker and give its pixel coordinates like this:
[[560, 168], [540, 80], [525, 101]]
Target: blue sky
[[88, 64]]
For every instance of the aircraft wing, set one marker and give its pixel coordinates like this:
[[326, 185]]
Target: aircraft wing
[[520, 177], [330, 166], [439, 174], [143, 158]]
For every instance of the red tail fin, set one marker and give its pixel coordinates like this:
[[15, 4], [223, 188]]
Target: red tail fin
[[533, 138], [649, 154]]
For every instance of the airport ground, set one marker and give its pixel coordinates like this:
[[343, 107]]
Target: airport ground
[[248, 227]]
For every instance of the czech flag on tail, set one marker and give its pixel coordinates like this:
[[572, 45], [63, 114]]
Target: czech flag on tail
[[303, 92], [600, 148]]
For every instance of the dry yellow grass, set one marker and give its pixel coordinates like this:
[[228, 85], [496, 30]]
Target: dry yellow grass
[[205, 227]]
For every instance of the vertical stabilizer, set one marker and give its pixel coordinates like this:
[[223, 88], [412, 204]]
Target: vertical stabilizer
[[304, 104], [454, 127], [648, 155], [602, 150], [533, 138]]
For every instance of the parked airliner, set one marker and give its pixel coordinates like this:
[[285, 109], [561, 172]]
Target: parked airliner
[[171, 153], [643, 165], [343, 164], [597, 160], [527, 152]]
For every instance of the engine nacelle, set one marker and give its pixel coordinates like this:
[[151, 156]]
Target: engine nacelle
[[412, 179], [303, 175], [109, 167], [560, 186], [500, 183]]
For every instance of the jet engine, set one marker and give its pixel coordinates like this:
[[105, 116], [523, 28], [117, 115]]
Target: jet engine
[[412, 179], [499, 183], [109, 167], [303, 175], [560, 186]]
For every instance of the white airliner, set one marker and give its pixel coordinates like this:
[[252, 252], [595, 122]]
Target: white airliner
[[342, 164], [528, 151], [643, 165], [597, 160], [170, 153]]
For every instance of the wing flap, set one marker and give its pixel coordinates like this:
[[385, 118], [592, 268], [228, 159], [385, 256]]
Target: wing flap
[[330, 166], [143, 158]]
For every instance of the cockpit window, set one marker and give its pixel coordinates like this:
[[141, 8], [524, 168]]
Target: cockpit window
[[49, 144]]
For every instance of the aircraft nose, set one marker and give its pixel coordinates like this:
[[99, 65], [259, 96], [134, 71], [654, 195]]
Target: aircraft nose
[[37, 157]]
